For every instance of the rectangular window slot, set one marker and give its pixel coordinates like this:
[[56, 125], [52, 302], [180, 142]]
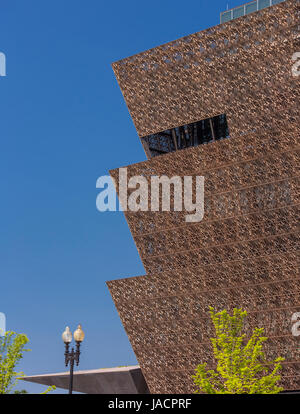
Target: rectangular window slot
[[185, 136]]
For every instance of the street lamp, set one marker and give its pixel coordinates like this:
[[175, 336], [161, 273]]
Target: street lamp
[[72, 356]]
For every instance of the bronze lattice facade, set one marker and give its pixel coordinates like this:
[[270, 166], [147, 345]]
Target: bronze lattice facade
[[245, 251]]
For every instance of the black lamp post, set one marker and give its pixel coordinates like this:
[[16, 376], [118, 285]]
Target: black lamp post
[[72, 356]]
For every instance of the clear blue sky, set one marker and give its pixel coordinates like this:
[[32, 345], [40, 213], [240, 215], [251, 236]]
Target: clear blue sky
[[63, 124]]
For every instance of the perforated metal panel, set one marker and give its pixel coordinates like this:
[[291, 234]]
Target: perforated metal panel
[[245, 252]]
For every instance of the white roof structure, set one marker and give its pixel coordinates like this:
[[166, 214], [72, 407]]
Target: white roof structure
[[120, 380]]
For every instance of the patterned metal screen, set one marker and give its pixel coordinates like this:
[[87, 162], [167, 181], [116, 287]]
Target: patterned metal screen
[[245, 251]]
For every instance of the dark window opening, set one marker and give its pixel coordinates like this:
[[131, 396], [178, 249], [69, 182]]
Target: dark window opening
[[185, 136]]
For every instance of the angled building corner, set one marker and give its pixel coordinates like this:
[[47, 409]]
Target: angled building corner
[[224, 104]]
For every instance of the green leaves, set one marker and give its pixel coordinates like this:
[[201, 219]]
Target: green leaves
[[12, 347], [49, 389], [242, 367]]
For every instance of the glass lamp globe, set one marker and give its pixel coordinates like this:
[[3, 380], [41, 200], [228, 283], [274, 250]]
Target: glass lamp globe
[[79, 334], [67, 335]]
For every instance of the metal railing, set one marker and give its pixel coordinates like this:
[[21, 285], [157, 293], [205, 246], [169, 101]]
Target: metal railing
[[247, 8]]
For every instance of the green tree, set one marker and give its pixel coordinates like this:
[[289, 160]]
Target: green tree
[[20, 392], [12, 347], [242, 367]]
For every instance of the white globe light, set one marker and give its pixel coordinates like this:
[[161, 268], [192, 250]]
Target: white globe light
[[67, 335]]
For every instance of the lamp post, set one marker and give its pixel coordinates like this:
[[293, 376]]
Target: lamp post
[[72, 356]]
